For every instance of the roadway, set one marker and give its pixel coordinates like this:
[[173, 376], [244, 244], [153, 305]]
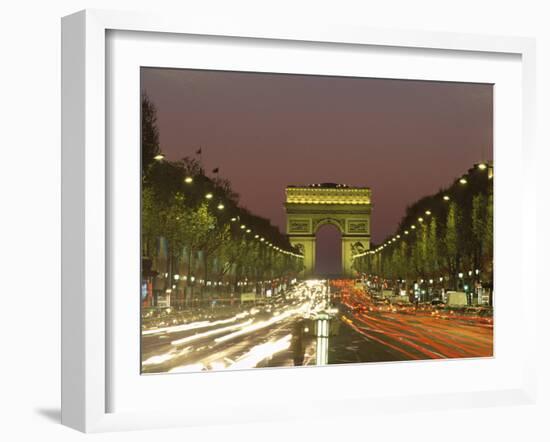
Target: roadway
[[286, 332]]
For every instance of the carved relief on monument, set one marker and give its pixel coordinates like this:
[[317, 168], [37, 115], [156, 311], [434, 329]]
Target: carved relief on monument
[[359, 226], [300, 247], [357, 248], [298, 226]]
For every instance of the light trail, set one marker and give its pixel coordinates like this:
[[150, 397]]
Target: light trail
[[259, 325], [214, 332], [187, 368], [195, 325], [429, 336], [160, 359], [261, 352]]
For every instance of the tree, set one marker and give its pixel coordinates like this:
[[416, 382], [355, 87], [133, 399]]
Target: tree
[[150, 146], [452, 240], [195, 229], [216, 235], [173, 223], [479, 219], [487, 246], [149, 221], [432, 249]]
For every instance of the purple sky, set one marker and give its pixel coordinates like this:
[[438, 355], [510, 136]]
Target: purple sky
[[403, 139]]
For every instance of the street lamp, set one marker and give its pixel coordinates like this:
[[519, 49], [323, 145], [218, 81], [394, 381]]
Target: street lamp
[[446, 198], [482, 166], [221, 206], [233, 219], [188, 179], [243, 227], [462, 181], [159, 157], [428, 212], [209, 196]]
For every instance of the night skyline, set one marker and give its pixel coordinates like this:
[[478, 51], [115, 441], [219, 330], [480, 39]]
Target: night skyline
[[403, 139]]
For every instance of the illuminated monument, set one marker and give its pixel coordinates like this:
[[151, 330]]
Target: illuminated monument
[[310, 207]]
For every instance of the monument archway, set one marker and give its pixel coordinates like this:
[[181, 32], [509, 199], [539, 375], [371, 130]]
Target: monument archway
[[310, 207], [328, 250]]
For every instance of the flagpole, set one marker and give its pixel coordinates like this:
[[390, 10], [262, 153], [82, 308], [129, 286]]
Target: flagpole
[[199, 153]]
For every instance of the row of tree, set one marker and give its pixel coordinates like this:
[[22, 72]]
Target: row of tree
[[194, 230], [448, 235]]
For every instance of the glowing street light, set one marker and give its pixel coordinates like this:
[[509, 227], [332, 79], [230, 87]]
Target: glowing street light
[[159, 157], [243, 226], [188, 179], [482, 166], [420, 219], [427, 212], [463, 181], [446, 198], [221, 206], [209, 196], [233, 219]]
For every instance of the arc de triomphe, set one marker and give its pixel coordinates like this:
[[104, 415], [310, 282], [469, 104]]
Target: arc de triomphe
[[310, 207]]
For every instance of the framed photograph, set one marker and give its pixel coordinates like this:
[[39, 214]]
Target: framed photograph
[[265, 222]]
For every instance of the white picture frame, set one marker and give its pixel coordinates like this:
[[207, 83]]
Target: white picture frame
[[86, 205]]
